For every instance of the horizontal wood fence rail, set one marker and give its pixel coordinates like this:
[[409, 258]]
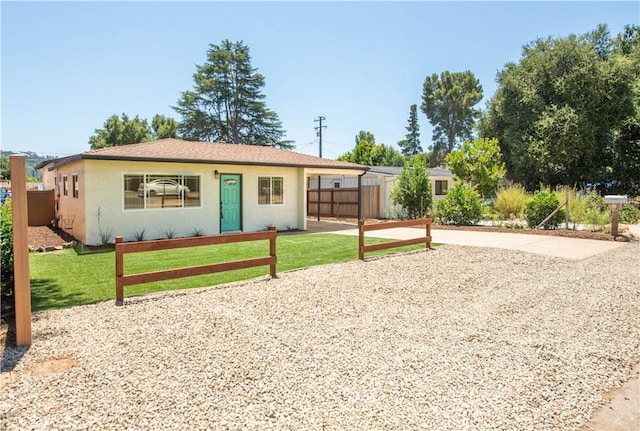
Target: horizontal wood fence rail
[[123, 248], [362, 228]]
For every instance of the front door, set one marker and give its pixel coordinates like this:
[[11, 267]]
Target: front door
[[230, 202]]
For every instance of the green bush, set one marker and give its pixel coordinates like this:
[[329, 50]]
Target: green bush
[[6, 248], [461, 205], [543, 203], [629, 214], [509, 201]]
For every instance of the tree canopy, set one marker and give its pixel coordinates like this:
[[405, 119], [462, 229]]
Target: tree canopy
[[410, 146], [478, 163], [121, 131], [227, 103], [568, 112], [367, 152], [448, 102], [164, 127]]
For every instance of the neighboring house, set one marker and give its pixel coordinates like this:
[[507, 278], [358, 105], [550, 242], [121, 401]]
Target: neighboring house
[[386, 178], [173, 187]]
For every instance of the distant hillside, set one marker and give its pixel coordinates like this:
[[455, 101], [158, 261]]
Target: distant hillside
[[31, 161]]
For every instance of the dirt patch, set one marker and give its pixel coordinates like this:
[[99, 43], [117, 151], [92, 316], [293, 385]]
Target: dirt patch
[[46, 237], [53, 366]]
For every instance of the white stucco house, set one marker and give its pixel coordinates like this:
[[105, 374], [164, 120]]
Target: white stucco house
[[172, 187], [385, 179]]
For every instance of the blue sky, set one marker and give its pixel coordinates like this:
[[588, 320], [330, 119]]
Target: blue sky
[[68, 66]]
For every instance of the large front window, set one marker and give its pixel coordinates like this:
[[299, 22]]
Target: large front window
[[151, 191], [270, 190]]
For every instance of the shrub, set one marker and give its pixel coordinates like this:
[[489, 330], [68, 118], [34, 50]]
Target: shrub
[[413, 191], [6, 248], [543, 203], [510, 201], [461, 205], [629, 214]]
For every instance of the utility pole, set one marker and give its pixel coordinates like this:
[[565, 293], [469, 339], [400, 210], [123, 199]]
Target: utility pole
[[319, 129], [320, 119]]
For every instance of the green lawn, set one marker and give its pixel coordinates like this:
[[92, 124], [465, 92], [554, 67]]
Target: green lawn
[[67, 278]]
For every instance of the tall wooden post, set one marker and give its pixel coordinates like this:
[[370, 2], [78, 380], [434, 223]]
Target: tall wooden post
[[22, 286], [614, 219]]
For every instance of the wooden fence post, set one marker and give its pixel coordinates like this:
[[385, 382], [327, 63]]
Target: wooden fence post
[[22, 286], [272, 251], [119, 272], [361, 239], [428, 226]]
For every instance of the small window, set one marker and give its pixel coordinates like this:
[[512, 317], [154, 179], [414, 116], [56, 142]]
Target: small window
[[75, 186], [336, 184], [441, 187], [270, 190], [65, 186]]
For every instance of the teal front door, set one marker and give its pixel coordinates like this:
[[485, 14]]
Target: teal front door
[[230, 202]]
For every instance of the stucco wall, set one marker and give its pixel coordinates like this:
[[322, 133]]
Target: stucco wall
[[105, 185]]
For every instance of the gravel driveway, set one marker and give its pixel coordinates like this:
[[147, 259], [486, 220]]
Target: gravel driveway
[[448, 339]]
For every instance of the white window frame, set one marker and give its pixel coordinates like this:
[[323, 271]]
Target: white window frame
[[145, 178], [271, 182]]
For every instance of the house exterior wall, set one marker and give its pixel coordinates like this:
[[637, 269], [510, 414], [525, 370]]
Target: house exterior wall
[[105, 192], [69, 209]]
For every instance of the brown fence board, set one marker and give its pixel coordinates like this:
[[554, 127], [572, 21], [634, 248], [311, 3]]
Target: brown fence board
[[362, 228], [123, 280], [344, 202], [41, 207]]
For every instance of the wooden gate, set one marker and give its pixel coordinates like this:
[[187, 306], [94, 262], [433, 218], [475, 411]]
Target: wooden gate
[[344, 202]]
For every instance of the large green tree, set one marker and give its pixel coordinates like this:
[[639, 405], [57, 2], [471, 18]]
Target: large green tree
[[227, 103], [367, 152], [410, 145], [121, 131], [568, 110], [479, 163], [164, 127], [448, 102]]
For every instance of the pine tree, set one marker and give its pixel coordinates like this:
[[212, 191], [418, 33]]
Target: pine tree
[[411, 144], [227, 103]]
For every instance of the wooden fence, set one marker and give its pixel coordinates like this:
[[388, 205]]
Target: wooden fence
[[41, 204], [165, 244], [362, 249], [344, 202]]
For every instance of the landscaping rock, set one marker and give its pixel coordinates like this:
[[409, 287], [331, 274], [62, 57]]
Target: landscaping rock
[[448, 339]]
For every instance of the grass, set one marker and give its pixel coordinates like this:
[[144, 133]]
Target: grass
[[68, 278]]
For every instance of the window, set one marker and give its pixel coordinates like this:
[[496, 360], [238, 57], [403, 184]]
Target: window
[[74, 185], [336, 184], [270, 190], [65, 186], [146, 191], [441, 187]]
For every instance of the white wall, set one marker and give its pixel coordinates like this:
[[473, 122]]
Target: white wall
[[104, 190]]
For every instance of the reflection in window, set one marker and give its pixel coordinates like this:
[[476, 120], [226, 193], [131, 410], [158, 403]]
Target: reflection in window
[[161, 191], [270, 190]]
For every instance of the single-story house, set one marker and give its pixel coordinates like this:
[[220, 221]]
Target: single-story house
[[172, 187], [385, 178]]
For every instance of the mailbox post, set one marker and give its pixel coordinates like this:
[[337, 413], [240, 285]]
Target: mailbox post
[[615, 202]]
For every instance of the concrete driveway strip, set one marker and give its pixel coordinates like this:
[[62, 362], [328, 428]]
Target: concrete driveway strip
[[547, 245]]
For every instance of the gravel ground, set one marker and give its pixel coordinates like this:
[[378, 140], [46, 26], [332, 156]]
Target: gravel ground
[[448, 339]]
